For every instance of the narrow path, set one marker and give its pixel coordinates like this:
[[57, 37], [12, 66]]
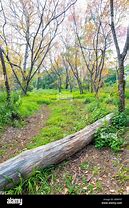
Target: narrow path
[[14, 140]]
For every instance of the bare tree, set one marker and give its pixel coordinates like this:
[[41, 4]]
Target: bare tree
[[57, 69], [121, 58], [72, 59], [68, 82], [36, 23], [94, 54]]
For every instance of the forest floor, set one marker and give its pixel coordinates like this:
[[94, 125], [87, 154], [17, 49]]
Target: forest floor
[[90, 171], [14, 140]]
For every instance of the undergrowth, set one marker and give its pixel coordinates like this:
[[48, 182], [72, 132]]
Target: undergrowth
[[9, 112], [70, 112], [111, 135]]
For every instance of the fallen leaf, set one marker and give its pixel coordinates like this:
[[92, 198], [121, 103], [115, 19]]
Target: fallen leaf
[[112, 190], [65, 191], [127, 189]]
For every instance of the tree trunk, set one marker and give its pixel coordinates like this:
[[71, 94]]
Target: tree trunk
[[67, 79], [38, 80], [121, 86], [5, 76], [27, 82], [91, 86], [59, 84], [121, 59], [80, 86], [71, 89], [46, 155], [66, 83]]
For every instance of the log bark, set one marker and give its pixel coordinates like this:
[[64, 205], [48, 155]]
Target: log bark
[[46, 155]]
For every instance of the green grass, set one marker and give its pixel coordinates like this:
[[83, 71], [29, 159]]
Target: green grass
[[2, 152], [69, 112], [67, 117], [46, 182], [33, 101], [123, 174], [84, 165]]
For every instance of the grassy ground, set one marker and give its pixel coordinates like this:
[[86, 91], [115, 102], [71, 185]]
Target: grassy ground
[[69, 112], [90, 171]]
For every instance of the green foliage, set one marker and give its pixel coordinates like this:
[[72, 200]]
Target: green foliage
[[111, 135], [64, 119], [90, 188], [34, 100], [68, 112], [98, 109], [49, 81], [106, 138], [96, 170], [89, 100], [110, 100], [123, 174], [9, 112], [70, 186], [84, 165], [37, 183], [119, 120], [99, 186], [68, 116], [111, 79]]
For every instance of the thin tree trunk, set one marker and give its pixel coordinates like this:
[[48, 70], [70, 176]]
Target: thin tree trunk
[[38, 83], [5, 76], [67, 79], [26, 88], [38, 80], [121, 87], [66, 82], [71, 89], [91, 84], [59, 84], [120, 58], [80, 86]]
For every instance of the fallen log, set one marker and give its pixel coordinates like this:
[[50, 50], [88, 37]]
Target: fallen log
[[49, 154]]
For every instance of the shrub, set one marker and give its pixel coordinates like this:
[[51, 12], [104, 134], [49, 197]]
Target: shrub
[[107, 137], [119, 120], [10, 112], [88, 100], [110, 135]]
